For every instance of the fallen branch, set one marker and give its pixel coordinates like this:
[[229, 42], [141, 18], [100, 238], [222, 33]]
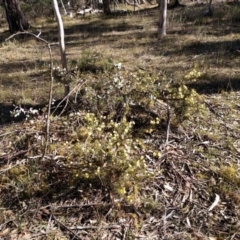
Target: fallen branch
[[168, 123], [114, 226], [66, 98], [67, 228], [12, 166], [84, 205], [6, 157], [84, 11]]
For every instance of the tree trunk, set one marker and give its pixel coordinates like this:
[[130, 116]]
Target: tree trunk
[[162, 18], [62, 44], [15, 17], [174, 3], [209, 11], [106, 7]]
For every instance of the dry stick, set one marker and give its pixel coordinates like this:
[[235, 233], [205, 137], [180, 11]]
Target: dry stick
[[114, 226], [6, 158], [12, 166], [168, 123], [61, 224], [64, 9], [66, 98], [67, 228], [8, 133], [8, 221], [51, 82], [125, 229], [84, 205]]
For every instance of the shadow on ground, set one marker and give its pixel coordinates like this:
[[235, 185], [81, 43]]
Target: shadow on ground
[[6, 115], [7, 109], [216, 85]]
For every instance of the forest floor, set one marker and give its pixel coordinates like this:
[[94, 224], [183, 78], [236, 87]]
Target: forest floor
[[146, 145]]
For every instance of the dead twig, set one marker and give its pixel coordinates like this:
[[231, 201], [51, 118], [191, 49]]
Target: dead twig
[[84, 205], [125, 230], [12, 166], [168, 123], [7, 158], [9, 133], [66, 98], [67, 228], [114, 226], [51, 82]]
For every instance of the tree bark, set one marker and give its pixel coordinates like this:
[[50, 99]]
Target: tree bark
[[106, 7], [15, 17], [209, 11], [62, 44], [174, 4], [162, 18]]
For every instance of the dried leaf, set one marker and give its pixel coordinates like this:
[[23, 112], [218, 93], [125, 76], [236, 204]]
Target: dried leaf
[[215, 203], [188, 222], [168, 187], [5, 232]]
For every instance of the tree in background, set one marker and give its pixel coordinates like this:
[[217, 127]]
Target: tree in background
[[61, 44], [106, 7], [162, 18], [15, 17]]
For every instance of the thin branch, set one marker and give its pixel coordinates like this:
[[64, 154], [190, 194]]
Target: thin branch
[[168, 122], [11, 166], [8, 133], [49, 223], [66, 98], [51, 82], [49, 101], [114, 226], [84, 205], [67, 228], [27, 33], [125, 230], [7, 222], [6, 158]]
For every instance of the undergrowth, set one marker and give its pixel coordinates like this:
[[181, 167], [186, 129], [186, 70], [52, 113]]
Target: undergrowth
[[136, 150], [98, 143]]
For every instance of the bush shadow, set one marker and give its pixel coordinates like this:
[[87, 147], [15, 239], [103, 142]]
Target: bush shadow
[[215, 85]]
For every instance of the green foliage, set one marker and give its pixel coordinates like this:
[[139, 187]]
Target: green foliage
[[234, 13], [106, 152], [194, 74], [185, 102], [230, 183], [98, 146], [230, 174], [61, 75], [36, 8], [110, 94], [94, 62], [98, 152]]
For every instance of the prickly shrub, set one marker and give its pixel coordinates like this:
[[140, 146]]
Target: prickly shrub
[[94, 62], [105, 152], [185, 102]]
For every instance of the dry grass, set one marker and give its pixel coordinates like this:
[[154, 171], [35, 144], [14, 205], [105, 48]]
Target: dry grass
[[210, 42]]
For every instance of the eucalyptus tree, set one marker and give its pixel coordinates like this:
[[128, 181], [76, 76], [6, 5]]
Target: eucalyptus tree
[[106, 7], [15, 16], [61, 44], [162, 18]]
